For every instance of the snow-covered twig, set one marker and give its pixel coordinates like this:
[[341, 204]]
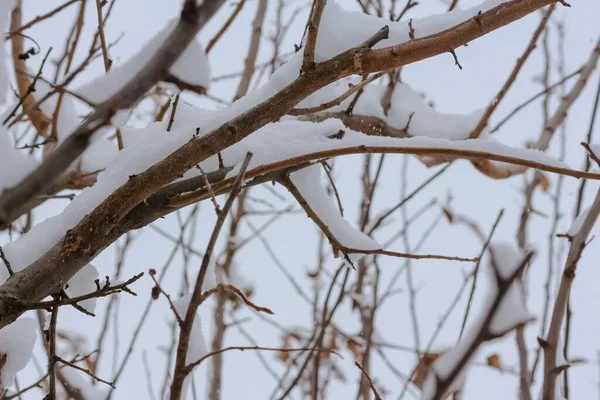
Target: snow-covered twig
[[447, 369]]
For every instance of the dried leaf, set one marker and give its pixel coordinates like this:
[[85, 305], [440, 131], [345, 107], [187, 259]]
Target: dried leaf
[[354, 348], [544, 181], [422, 369], [494, 361]]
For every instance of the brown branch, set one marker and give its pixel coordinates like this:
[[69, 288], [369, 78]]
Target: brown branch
[[70, 56], [243, 348], [105, 57], [338, 246], [6, 262], [483, 333], [173, 111], [591, 153], [226, 26], [250, 61], [198, 89], [550, 343], [220, 288], [104, 291], [567, 101], [314, 20], [85, 370], [157, 289], [476, 270], [38, 119], [192, 197], [408, 255], [513, 75], [52, 354], [373, 389], [39, 18], [367, 124], [182, 369], [534, 98], [40, 278]]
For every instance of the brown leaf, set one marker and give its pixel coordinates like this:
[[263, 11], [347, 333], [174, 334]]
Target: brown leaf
[[544, 181], [354, 348], [494, 361], [422, 369]]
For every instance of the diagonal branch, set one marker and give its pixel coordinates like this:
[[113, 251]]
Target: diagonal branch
[[513, 75], [181, 367], [483, 333], [193, 18]]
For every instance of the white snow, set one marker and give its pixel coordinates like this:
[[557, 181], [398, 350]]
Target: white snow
[[340, 29], [83, 282], [79, 380], [511, 312], [16, 341], [513, 308], [120, 118], [6, 7], [578, 223], [308, 182], [101, 151], [406, 104], [425, 120], [191, 67]]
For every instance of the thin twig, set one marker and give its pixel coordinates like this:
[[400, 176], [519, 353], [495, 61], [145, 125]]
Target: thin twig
[[225, 26], [375, 392], [513, 75]]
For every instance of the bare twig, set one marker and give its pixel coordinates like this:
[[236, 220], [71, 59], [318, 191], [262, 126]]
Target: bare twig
[[181, 367], [225, 26], [513, 75], [105, 57], [375, 392], [249, 63]]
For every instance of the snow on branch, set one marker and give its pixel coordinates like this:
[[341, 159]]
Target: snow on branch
[[305, 185], [16, 348], [505, 311], [191, 67], [133, 85]]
